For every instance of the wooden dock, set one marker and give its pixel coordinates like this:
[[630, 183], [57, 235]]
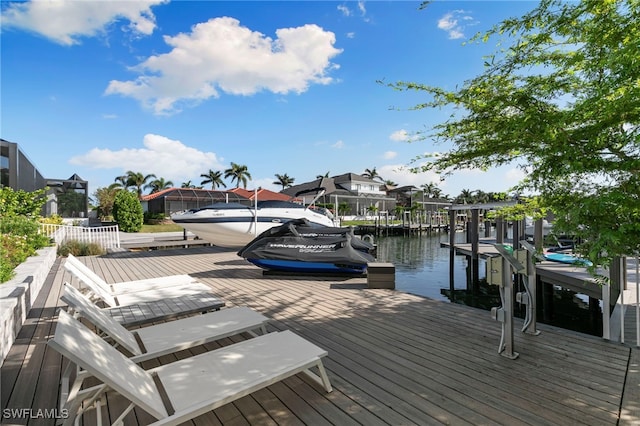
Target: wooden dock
[[394, 358]]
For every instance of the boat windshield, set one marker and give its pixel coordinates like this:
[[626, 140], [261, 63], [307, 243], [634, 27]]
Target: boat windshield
[[221, 206], [324, 211], [277, 204]]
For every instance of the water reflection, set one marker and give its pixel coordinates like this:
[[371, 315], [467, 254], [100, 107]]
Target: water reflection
[[423, 268]]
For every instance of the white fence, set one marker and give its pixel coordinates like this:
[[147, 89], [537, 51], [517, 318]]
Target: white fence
[[105, 236]]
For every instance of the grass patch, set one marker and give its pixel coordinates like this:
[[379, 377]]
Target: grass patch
[[164, 227], [79, 248]]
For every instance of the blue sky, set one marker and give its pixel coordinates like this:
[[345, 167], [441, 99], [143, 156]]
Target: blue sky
[[178, 88]]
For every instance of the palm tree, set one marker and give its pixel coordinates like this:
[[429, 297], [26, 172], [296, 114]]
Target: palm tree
[[428, 189], [187, 184], [389, 182], [120, 182], [326, 175], [214, 178], [239, 173], [465, 197], [138, 180], [284, 180], [158, 185], [372, 174]]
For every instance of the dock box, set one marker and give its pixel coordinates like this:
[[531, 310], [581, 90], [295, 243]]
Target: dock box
[[381, 275]]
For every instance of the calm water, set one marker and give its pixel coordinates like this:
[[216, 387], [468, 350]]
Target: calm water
[[422, 268]]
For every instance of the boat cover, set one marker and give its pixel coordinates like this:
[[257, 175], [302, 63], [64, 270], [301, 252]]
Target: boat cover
[[299, 240]]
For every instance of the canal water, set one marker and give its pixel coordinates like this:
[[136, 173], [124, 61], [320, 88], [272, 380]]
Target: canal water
[[423, 268]]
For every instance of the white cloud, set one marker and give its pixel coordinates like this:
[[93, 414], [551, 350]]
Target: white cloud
[[361, 8], [455, 23], [399, 136], [338, 145], [400, 174], [515, 175], [221, 55], [161, 156], [389, 155], [65, 21], [344, 10], [351, 35]]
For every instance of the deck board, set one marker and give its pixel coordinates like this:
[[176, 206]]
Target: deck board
[[394, 358]]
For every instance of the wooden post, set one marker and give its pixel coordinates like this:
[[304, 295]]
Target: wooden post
[[452, 249], [538, 234], [474, 234], [499, 230], [487, 228]]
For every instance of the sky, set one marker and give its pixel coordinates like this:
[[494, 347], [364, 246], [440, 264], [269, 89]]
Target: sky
[[178, 88]]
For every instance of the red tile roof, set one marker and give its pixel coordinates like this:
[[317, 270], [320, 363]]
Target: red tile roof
[[263, 194]]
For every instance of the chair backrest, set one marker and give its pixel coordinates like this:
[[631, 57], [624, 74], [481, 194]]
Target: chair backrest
[[98, 290], [84, 348], [88, 272], [104, 322]]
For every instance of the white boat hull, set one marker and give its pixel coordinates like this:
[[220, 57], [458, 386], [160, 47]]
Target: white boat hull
[[235, 228]]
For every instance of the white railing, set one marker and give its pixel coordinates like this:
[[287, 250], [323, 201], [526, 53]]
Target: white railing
[[105, 236]]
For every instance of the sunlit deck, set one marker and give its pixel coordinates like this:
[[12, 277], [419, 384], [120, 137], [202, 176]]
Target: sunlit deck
[[394, 358]]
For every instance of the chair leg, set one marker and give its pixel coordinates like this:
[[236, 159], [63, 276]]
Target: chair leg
[[322, 379]]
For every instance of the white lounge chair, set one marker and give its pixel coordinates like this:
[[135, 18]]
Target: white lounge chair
[[169, 337], [179, 391], [129, 297], [143, 313], [84, 273]]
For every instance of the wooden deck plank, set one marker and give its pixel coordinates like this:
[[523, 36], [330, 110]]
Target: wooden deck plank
[[394, 358], [412, 369], [36, 383]]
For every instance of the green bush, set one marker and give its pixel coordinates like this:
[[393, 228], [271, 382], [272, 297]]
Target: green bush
[[21, 203], [78, 248], [127, 211], [19, 237], [14, 249], [154, 218], [54, 219]]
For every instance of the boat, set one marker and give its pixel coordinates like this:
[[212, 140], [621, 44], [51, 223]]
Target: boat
[[567, 258], [234, 225], [300, 247]]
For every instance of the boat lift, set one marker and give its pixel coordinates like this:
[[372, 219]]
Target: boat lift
[[500, 271]]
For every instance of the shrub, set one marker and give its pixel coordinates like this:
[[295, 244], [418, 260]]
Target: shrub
[[127, 211], [53, 220], [14, 250], [21, 203], [19, 237], [154, 217], [79, 248]]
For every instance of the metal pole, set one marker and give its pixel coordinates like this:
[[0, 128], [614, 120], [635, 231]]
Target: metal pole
[[255, 216]]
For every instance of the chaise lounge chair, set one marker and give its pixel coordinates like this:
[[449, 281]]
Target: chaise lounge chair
[[169, 337], [179, 391], [129, 297], [142, 313], [86, 274]]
